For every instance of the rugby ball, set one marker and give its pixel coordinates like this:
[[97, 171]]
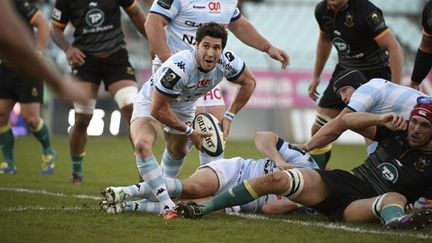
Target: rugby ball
[[206, 122]]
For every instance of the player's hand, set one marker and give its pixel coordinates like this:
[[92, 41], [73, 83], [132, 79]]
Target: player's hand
[[284, 165], [302, 147], [312, 89], [196, 138], [226, 125], [394, 122], [279, 55], [75, 57]]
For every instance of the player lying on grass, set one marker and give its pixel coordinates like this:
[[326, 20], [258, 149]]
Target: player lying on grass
[[399, 171], [217, 177]]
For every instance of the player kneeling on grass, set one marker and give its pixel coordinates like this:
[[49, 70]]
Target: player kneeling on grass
[[217, 177], [169, 97], [399, 171]]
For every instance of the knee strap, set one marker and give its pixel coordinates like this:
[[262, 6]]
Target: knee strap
[[125, 96], [296, 183]]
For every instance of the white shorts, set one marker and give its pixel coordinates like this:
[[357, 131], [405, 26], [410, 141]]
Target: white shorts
[[231, 172], [142, 108], [228, 172]]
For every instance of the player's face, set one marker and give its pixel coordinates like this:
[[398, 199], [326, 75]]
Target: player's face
[[336, 4], [345, 93], [419, 132], [208, 52]]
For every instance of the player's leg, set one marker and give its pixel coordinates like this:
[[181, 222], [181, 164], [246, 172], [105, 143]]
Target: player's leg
[[144, 133], [78, 133], [304, 186], [7, 140], [39, 129], [174, 154], [213, 103]]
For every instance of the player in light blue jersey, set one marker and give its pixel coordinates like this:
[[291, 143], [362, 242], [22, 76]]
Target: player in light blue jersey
[[181, 18], [216, 177], [377, 96], [168, 98]]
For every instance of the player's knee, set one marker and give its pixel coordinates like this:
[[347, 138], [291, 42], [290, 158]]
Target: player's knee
[[294, 182], [125, 96], [277, 182], [320, 121], [394, 198], [143, 146], [82, 122], [31, 119]]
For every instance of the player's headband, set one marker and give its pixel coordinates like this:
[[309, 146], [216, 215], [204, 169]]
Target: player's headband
[[423, 108]]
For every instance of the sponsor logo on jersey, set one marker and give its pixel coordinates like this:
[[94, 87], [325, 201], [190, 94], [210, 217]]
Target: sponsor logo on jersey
[[93, 4], [170, 79], [56, 14], [349, 21], [34, 92], [341, 45], [421, 164], [166, 4], [203, 83], [130, 71], [198, 7], [389, 172], [180, 65], [95, 17], [214, 6]]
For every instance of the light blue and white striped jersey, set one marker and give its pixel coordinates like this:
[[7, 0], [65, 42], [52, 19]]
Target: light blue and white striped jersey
[[180, 78], [380, 96], [185, 16]]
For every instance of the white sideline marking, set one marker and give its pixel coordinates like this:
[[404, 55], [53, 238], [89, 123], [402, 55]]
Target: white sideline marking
[[56, 194], [326, 225], [333, 226], [41, 208]]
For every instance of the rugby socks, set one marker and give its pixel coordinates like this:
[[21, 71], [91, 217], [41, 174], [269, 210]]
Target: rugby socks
[[144, 190], [77, 161], [170, 167], [7, 142], [151, 172], [41, 133], [321, 155], [391, 212], [144, 206], [237, 195], [205, 158]]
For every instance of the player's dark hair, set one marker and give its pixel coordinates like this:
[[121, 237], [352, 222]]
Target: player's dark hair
[[214, 30], [353, 78]]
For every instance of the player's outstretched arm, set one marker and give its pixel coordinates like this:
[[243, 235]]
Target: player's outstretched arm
[[247, 33], [16, 46], [154, 27], [323, 50], [328, 133], [138, 18], [247, 82], [265, 142], [423, 61], [389, 43]]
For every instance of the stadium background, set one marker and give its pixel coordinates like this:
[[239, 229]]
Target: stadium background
[[280, 102]]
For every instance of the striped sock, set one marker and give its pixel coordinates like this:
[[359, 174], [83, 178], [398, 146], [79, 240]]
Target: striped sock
[[170, 167], [151, 172], [144, 206], [143, 189], [205, 158]]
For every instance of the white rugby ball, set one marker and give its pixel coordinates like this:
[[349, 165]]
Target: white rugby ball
[[206, 122]]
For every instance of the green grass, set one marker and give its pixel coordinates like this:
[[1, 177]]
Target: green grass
[[42, 217]]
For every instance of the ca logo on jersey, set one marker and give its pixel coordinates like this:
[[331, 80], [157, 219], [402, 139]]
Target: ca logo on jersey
[[95, 17], [389, 172]]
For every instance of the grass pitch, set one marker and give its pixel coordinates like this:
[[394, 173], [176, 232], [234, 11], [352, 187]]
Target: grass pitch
[[36, 208]]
